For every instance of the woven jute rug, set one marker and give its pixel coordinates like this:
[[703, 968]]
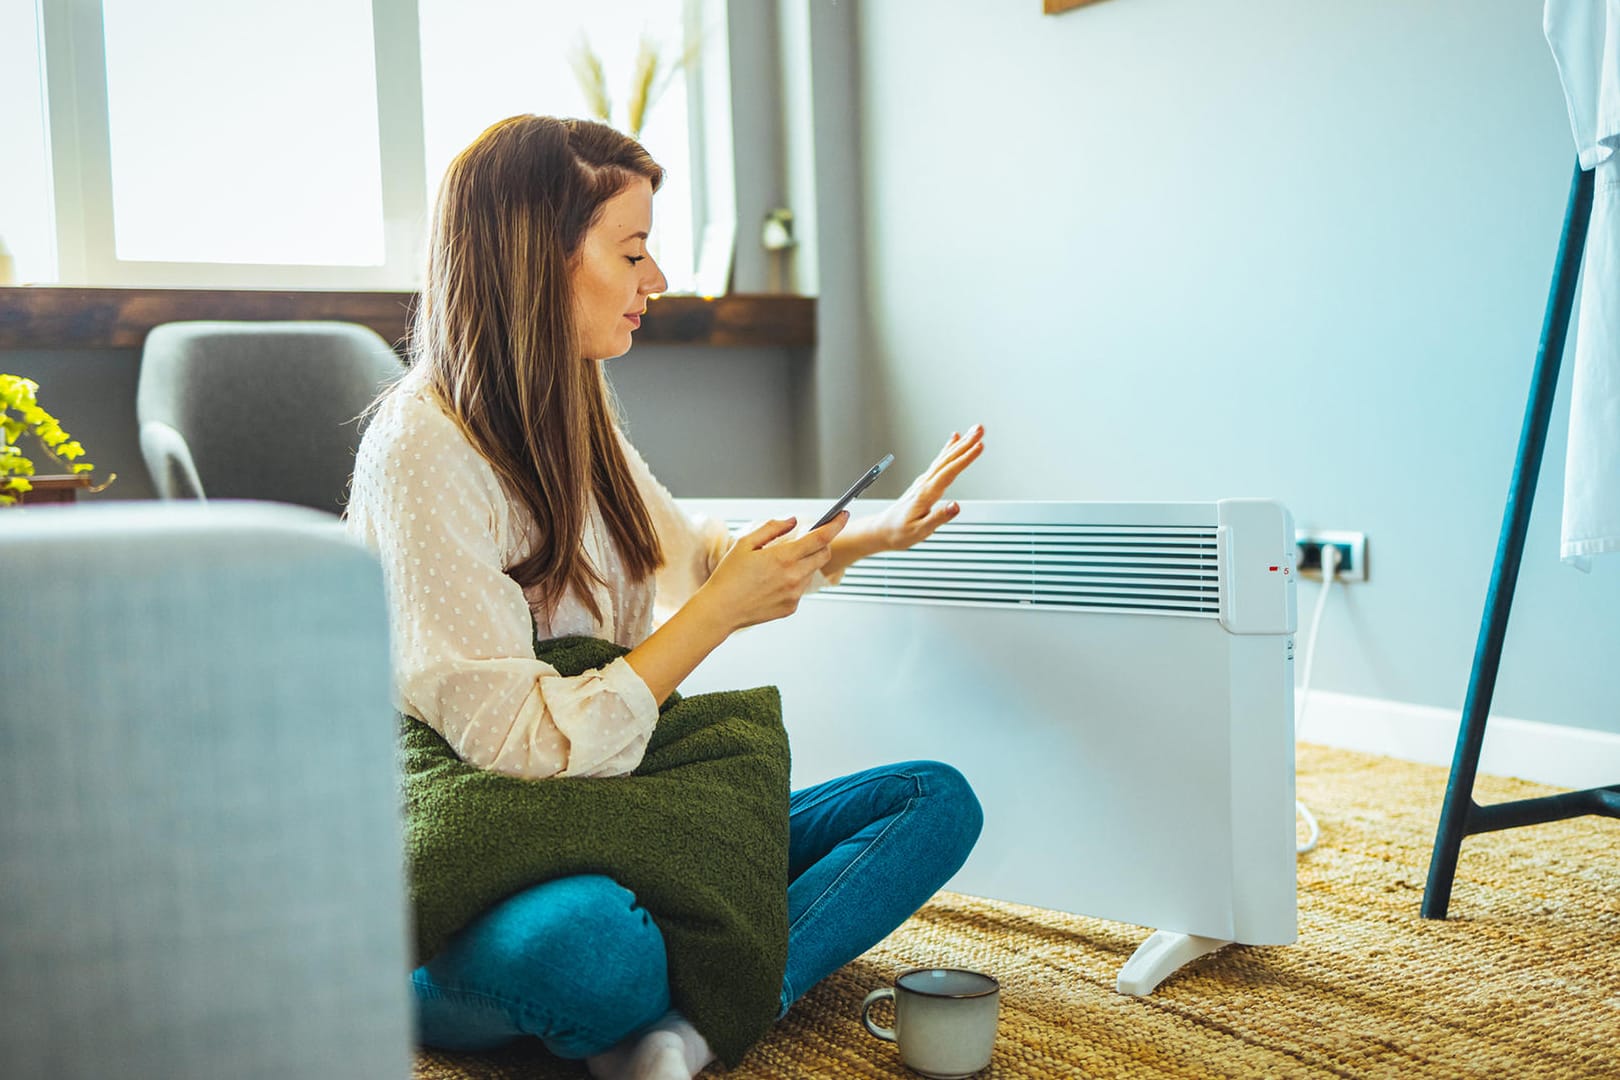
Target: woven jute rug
[[1523, 980]]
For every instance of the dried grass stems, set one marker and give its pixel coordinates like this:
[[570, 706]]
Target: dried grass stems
[[650, 75], [592, 78]]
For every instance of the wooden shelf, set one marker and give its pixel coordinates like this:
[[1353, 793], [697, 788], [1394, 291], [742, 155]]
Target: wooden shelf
[[56, 488], [52, 317]]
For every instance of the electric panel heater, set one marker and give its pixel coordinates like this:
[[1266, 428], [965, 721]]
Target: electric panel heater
[[1114, 679]]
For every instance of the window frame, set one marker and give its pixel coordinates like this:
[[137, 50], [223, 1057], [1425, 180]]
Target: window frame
[[80, 159]]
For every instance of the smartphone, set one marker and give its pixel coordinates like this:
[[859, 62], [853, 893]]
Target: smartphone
[[855, 489]]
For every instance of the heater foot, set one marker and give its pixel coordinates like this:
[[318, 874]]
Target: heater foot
[[1159, 956]]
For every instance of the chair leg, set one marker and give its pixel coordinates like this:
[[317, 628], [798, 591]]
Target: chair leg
[[1459, 806]]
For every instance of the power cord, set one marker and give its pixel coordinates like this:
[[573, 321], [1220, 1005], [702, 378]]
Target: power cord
[[1330, 571]]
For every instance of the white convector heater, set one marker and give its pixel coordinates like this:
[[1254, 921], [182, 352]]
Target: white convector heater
[[1114, 679]]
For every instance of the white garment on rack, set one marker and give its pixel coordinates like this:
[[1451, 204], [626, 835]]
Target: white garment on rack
[[1585, 40]]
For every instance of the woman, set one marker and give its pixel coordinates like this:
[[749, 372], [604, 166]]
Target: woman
[[506, 505]]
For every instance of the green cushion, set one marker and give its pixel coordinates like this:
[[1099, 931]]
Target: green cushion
[[699, 833]]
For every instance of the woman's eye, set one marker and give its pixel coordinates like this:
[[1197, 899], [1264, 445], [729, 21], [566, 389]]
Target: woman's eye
[[635, 258]]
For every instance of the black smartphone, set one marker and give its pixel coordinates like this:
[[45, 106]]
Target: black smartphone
[[855, 489]]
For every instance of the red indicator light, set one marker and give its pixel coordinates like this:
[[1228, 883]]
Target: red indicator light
[[1273, 569]]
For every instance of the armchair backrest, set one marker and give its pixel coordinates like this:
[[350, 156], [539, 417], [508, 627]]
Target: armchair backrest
[[258, 410]]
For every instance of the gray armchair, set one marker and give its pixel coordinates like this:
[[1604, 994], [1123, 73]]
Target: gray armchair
[[201, 862], [258, 410]]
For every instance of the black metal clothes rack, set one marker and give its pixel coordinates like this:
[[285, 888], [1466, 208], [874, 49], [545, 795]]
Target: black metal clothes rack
[[1460, 815]]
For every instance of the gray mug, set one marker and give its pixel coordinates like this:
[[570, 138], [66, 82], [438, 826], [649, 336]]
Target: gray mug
[[944, 1020]]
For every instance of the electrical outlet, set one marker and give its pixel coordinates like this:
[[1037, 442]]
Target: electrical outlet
[[1352, 548]]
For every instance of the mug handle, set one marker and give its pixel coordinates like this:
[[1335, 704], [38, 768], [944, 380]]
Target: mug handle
[[873, 998]]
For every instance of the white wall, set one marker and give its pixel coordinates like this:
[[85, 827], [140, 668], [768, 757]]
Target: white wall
[[1178, 249]]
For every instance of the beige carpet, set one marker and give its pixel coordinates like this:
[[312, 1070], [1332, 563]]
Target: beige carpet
[[1522, 981]]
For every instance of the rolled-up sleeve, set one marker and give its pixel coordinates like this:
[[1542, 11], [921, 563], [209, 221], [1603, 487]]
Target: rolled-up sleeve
[[463, 637]]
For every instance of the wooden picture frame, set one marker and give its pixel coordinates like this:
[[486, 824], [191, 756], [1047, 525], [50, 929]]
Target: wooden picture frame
[[1058, 7]]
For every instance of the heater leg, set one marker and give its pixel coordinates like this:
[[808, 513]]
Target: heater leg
[[1157, 958]]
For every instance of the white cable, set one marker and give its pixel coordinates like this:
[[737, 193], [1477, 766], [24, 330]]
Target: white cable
[[1330, 571]]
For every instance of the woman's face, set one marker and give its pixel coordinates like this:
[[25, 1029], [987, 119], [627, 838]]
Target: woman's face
[[613, 275]]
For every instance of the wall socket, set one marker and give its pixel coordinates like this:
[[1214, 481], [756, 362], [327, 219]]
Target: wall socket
[[1352, 547]]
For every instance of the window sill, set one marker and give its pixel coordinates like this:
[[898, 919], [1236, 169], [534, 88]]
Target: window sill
[[55, 317]]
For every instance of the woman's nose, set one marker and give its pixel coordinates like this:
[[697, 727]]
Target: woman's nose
[[654, 282]]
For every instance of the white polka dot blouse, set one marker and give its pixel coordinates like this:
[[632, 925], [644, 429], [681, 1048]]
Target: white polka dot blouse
[[446, 531]]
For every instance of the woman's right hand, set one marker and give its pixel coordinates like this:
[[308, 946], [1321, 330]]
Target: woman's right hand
[[763, 576]]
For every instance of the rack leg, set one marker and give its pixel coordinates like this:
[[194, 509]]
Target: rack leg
[[1459, 802]]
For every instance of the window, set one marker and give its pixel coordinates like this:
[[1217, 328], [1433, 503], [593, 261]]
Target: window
[[25, 197], [276, 163], [221, 143]]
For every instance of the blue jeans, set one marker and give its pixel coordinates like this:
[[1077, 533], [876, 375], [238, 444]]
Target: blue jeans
[[578, 964]]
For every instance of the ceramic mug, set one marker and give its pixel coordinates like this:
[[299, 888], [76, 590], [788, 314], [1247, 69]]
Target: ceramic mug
[[944, 1020]]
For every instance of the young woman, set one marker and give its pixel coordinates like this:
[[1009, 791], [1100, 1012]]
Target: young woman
[[505, 504]]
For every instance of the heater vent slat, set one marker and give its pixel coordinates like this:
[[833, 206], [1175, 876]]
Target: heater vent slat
[[1076, 551], [1073, 567], [1034, 529], [1025, 600], [1057, 582], [1163, 570]]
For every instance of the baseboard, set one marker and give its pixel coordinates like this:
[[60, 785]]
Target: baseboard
[[1546, 753]]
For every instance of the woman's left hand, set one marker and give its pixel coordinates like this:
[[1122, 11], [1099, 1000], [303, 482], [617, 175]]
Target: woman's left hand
[[915, 515]]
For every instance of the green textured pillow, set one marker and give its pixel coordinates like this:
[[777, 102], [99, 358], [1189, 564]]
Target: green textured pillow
[[699, 833]]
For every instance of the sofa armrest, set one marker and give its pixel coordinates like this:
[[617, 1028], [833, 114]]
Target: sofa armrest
[[199, 808]]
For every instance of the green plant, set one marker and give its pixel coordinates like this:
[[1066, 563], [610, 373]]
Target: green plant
[[19, 414]]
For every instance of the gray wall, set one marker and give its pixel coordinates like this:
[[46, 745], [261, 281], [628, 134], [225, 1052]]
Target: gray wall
[[711, 422], [1174, 249], [92, 393]]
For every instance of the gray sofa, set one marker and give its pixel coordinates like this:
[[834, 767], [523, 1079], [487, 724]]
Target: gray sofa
[[200, 871]]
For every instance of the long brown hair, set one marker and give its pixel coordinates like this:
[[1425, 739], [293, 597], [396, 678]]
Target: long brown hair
[[495, 333]]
